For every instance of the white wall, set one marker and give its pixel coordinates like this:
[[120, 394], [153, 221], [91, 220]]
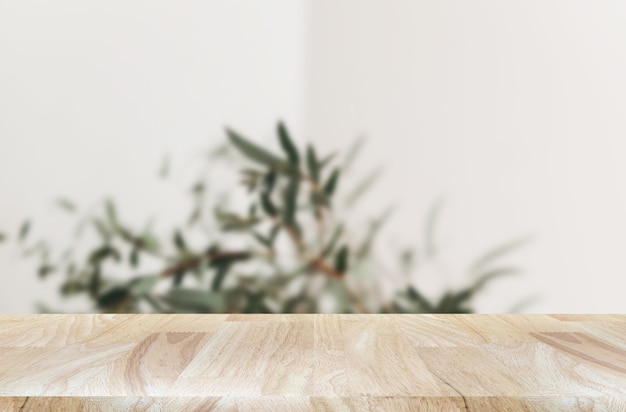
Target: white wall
[[511, 110], [93, 94], [514, 111]]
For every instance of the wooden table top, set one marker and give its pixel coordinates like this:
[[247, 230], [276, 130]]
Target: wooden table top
[[313, 362]]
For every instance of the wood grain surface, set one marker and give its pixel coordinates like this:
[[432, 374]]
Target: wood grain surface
[[312, 362]]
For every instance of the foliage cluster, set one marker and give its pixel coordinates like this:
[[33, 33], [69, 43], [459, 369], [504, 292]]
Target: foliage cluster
[[293, 249]]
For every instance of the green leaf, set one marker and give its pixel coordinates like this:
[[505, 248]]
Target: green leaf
[[256, 303], [262, 239], [179, 241], [112, 297], [125, 233], [352, 153], [273, 234], [256, 153], [70, 270], [407, 260], [451, 303], [114, 222], [150, 242], [198, 188], [103, 253], [446, 304], [177, 280], [312, 164], [195, 215], [454, 302], [251, 179], [95, 281], [488, 276], [44, 270], [297, 227], [43, 308], [102, 229], [342, 259], [220, 274], [291, 199], [133, 258], [269, 181], [191, 299], [40, 247], [142, 285], [326, 161], [66, 205], [338, 289], [71, 288], [212, 249], [200, 268], [363, 186], [154, 303], [330, 247], [24, 230], [429, 231], [318, 199], [267, 205], [295, 302], [418, 298], [374, 229], [231, 221], [222, 258], [219, 152], [498, 252], [3, 237], [288, 146], [111, 212], [331, 184]]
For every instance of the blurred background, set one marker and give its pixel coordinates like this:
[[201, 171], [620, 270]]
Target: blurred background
[[513, 112]]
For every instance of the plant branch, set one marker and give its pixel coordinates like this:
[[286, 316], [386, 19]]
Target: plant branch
[[320, 264], [314, 185], [212, 257]]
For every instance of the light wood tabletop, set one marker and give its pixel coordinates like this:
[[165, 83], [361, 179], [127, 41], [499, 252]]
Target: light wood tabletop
[[313, 362]]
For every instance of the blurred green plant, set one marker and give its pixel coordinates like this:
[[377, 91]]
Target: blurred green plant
[[293, 249]]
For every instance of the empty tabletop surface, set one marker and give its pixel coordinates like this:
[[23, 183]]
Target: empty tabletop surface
[[233, 362]]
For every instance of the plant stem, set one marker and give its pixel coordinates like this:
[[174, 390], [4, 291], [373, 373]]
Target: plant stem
[[314, 185], [324, 267], [213, 258]]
